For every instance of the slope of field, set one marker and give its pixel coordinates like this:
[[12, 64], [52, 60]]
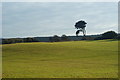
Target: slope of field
[[74, 59]]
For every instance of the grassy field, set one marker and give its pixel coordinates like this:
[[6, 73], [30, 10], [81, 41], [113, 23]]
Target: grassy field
[[74, 59]]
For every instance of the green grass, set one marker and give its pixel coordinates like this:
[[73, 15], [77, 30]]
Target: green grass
[[74, 59]]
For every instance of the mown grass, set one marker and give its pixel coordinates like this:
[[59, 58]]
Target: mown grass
[[74, 59]]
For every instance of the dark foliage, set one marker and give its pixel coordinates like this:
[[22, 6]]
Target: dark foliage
[[12, 40], [77, 32], [29, 40], [109, 35], [18, 40], [118, 37], [64, 38], [55, 38], [80, 24], [98, 38]]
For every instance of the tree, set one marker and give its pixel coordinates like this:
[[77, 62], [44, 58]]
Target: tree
[[55, 38], [64, 38], [28, 39], [80, 25], [7, 41], [109, 35], [98, 38]]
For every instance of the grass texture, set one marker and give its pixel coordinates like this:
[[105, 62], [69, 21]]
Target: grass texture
[[73, 59]]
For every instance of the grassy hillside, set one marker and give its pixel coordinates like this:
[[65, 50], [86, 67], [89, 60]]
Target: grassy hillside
[[75, 59]]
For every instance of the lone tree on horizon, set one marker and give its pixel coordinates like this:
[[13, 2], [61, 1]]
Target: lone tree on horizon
[[80, 25]]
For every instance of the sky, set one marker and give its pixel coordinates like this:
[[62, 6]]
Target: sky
[[36, 19]]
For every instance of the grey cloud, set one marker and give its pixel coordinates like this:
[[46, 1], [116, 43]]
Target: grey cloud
[[25, 19]]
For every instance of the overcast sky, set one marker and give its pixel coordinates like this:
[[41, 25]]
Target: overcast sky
[[28, 19]]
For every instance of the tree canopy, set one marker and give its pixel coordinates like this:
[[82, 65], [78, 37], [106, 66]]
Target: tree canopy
[[109, 35], [80, 24]]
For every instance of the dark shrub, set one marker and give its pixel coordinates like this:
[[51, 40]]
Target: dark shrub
[[109, 35]]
